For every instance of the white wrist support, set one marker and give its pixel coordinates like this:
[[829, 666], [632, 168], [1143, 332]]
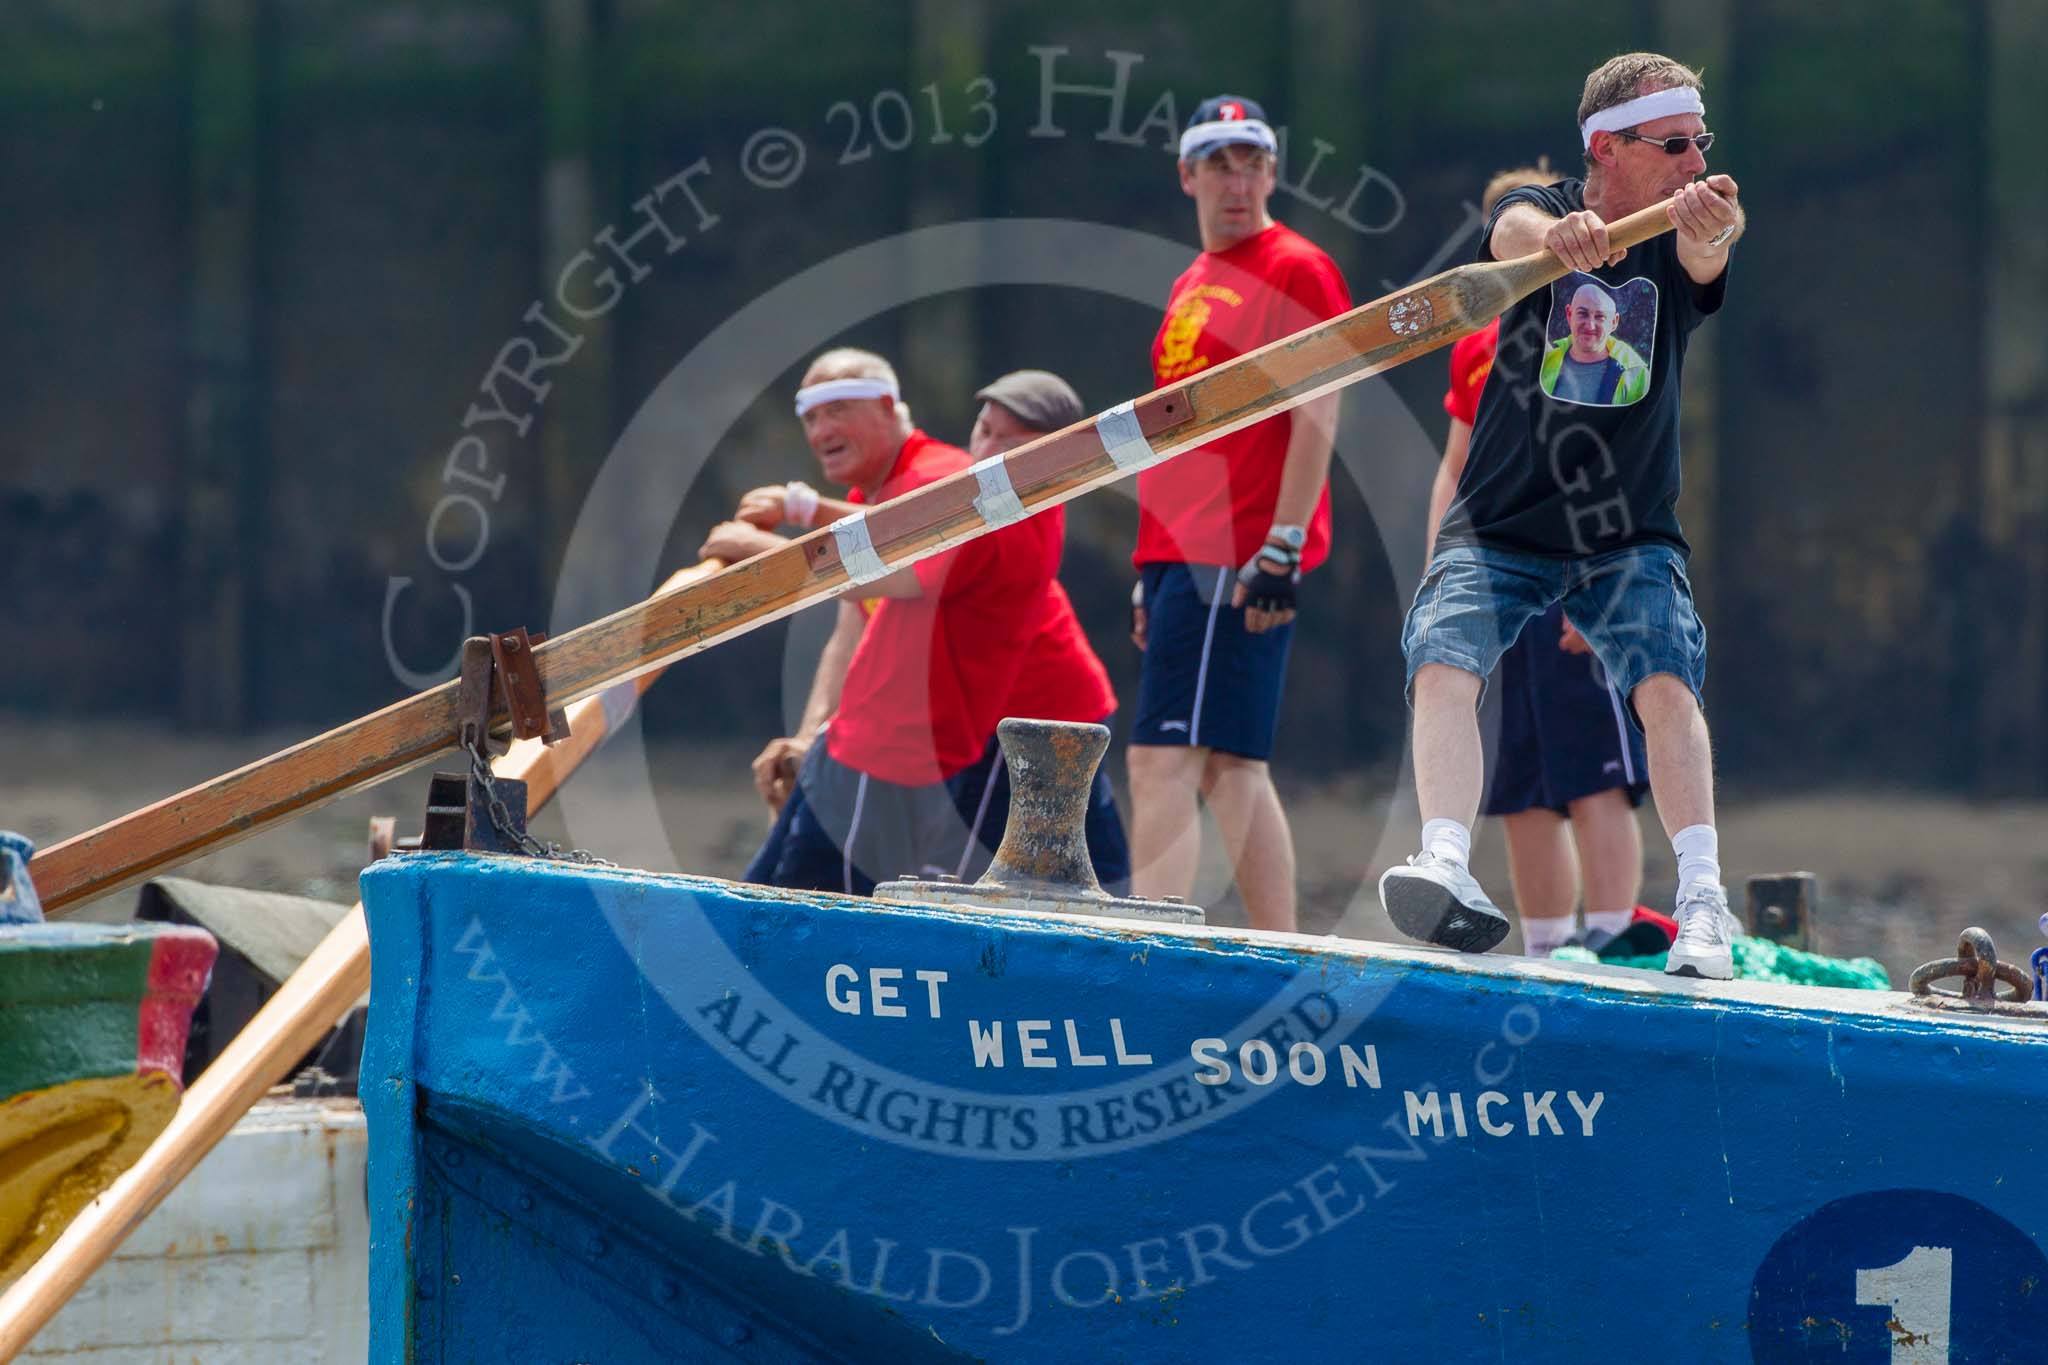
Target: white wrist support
[[799, 503]]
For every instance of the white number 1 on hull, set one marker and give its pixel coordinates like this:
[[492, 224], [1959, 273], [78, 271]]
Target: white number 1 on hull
[[1917, 1291]]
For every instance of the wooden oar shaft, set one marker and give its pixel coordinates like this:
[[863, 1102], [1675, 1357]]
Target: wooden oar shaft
[[323, 988], [670, 626]]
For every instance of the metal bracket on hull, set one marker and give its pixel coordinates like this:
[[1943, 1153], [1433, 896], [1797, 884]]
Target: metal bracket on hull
[[460, 815], [479, 811]]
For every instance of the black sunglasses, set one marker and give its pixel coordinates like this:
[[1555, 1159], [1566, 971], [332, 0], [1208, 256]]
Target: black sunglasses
[[1673, 146]]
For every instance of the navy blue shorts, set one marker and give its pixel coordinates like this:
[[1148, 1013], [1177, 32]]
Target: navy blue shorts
[[981, 793], [1556, 729], [1206, 681]]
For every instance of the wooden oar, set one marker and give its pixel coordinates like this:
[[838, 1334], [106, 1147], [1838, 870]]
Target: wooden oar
[[1046, 472], [325, 986]]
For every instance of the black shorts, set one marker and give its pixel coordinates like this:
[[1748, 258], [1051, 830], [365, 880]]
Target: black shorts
[[1556, 728]]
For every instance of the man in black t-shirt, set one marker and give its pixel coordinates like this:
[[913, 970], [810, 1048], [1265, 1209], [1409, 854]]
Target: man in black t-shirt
[[1569, 495]]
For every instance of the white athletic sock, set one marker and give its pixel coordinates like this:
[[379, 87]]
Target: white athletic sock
[[1539, 936], [1447, 839], [1610, 921], [1699, 856]]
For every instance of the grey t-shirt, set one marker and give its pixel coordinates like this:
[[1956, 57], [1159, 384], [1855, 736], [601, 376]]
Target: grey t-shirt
[[1579, 382]]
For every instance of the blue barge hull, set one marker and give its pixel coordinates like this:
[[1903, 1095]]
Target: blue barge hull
[[622, 1117]]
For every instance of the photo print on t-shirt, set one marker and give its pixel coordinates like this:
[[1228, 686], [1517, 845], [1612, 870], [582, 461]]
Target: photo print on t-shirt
[[1601, 339]]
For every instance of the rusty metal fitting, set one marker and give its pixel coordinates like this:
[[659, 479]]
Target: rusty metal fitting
[[1976, 963]]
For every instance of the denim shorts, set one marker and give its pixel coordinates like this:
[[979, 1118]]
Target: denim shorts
[[1633, 605]]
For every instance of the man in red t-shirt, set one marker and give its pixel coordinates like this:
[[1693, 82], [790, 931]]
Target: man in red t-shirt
[[919, 667], [1225, 533], [1062, 678]]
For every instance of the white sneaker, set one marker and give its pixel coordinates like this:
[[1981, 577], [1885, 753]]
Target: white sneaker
[[1706, 935], [1439, 901]]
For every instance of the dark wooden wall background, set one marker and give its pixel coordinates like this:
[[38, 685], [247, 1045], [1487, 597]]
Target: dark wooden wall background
[[256, 257]]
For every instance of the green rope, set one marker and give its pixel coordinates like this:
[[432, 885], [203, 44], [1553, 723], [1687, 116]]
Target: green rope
[[1759, 959]]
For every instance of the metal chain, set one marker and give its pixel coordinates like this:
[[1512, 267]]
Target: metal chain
[[508, 828]]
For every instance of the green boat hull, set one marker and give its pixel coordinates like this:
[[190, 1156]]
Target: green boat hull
[[93, 1021]]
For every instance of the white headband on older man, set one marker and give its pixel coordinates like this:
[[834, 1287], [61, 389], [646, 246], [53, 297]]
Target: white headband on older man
[[1222, 132], [833, 390], [1678, 99]]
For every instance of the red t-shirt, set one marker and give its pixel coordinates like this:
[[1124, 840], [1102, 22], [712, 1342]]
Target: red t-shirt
[[1214, 504], [932, 675], [1471, 362], [1062, 678]]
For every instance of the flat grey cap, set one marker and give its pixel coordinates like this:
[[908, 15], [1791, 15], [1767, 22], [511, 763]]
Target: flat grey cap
[[1039, 399]]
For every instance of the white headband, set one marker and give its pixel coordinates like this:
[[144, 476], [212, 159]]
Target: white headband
[[1223, 131], [1678, 99], [832, 390]]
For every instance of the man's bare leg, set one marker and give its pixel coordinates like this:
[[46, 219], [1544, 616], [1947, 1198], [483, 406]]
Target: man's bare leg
[[1682, 781], [1166, 830], [1544, 870], [1610, 844], [1248, 813], [1434, 898], [1450, 765], [1681, 753]]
